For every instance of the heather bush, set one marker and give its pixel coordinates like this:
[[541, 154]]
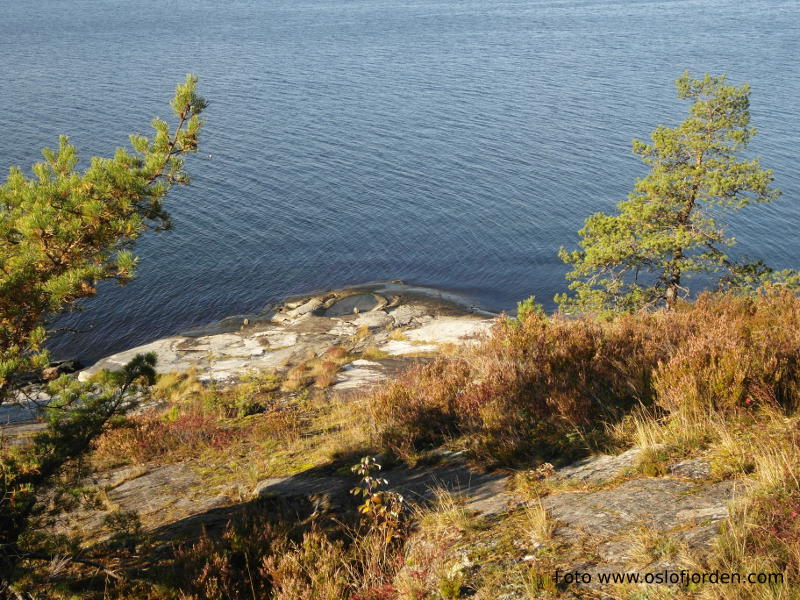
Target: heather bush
[[745, 355], [535, 386], [550, 386], [148, 437], [276, 554], [228, 566], [420, 407]]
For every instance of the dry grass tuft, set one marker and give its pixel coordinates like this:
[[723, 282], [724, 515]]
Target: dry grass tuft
[[538, 523]]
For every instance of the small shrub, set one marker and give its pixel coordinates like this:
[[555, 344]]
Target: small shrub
[[325, 373], [138, 440], [149, 437], [381, 592], [126, 529], [296, 378], [419, 408], [778, 531], [337, 353], [450, 584], [384, 508], [229, 566]]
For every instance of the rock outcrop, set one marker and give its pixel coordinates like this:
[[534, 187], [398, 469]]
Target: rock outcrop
[[396, 321]]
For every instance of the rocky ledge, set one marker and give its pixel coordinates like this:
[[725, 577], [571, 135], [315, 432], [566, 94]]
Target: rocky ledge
[[393, 321]]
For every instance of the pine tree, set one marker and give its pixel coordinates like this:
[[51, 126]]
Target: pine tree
[[669, 228], [62, 231]]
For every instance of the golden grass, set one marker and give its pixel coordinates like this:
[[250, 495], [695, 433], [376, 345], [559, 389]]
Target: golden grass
[[398, 335], [540, 527]]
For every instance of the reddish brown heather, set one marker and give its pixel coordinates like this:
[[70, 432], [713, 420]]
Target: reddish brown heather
[[547, 385]]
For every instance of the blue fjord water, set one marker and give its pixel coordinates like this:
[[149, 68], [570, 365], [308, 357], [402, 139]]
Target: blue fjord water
[[452, 143]]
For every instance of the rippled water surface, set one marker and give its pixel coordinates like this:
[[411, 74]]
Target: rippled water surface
[[450, 143]]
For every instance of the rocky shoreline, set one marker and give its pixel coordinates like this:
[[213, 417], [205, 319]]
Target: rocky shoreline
[[392, 320]]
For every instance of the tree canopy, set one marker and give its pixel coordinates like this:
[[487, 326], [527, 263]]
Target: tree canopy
[[64, 230], [670, 226]]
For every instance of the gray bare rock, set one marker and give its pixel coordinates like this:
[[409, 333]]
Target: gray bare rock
[[288, 333], [405, 314], [359, 374], [600, 469], [484, 492], [306, 308], [372, 319], [614, 552], [159, 495], [691, 469], [683, 511], [660, 503]]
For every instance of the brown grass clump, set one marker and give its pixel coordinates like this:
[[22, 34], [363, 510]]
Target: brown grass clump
[[178, 387], [398, 335], [374, 353], [296, 378], [762, 534], [325, 373], [336, 353], [361, 333], [320, 371], [285, 425]]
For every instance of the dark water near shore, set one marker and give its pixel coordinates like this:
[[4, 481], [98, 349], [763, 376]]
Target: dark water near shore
[[448, 143]]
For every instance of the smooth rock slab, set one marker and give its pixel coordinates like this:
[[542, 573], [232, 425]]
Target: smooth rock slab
[[359, 374], [165, 349], [484, 492], [401, 347], [306, 308], [404, 315], [691, 469], [452, 330], [662, 504], [277, 338], [297, 330], [600, 469], [372, 320]]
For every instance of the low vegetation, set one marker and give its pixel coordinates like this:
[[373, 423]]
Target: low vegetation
[[717, 378]]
